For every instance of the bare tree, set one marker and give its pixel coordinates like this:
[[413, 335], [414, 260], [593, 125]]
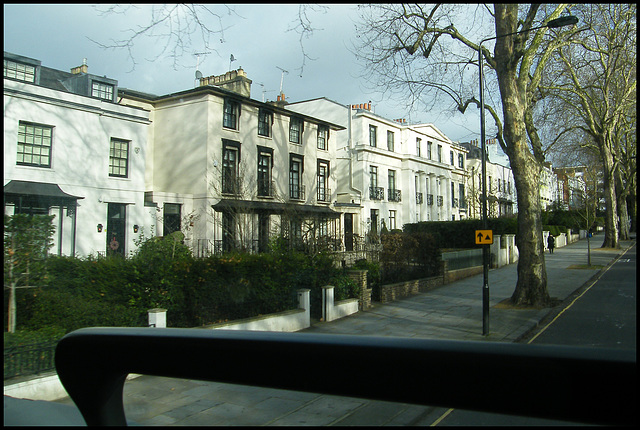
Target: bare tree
[[427, 53], [595, 85], [179, 29], [172, 27]]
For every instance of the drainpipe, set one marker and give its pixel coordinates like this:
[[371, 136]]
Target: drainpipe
[[350, 142]]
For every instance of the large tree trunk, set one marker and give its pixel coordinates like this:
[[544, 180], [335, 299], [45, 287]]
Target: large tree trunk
[[611, 213], [531, 287], [623, 214]]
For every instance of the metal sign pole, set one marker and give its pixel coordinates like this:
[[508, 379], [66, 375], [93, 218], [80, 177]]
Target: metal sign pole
[[485, 248]]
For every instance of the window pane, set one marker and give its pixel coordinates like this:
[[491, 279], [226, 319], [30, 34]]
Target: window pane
[[34, 141], [118, 158], [22, 72]]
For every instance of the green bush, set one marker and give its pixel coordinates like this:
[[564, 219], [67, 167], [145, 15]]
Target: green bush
[[63, 310], [25, 337], [114, 291]]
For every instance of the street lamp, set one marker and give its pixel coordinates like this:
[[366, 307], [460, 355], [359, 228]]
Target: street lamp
[[554, 23]]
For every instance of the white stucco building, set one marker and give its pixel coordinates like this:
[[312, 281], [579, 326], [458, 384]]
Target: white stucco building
[[393, 173], [71, 151], [231, 172], [501, 191]]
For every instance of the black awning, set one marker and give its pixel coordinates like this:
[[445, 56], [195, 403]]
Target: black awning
[[248, 206], [37, 190]]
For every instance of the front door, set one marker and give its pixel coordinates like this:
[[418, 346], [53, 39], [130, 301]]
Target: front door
[[348, 232], [116, 228]]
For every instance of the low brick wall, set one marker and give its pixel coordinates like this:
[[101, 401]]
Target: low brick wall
[[391, 292], [454, 275]]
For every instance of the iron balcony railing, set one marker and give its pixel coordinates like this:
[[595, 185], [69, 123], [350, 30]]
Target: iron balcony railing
[[297, 192], [376, 193], [324, 195], [430, 199], [454, 203], [419, 198], [231, 185], [440, 201], [395, 195], [266, 188]]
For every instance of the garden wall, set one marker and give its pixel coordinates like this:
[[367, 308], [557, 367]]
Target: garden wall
[[287, 321], [391, 292], [332, 310]]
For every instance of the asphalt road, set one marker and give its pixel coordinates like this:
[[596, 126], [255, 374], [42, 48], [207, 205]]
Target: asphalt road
[[602, 314]]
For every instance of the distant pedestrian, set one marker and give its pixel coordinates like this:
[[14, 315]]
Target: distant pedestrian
[[551, 243]]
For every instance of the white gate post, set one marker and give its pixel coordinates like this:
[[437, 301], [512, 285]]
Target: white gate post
[[157, 318]]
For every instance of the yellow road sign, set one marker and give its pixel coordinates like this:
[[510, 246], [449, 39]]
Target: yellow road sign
[[484, 237]]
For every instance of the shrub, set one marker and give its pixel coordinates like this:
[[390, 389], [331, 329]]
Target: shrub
[[24, 337]]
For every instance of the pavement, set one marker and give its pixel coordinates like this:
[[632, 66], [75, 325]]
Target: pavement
[[450, 312]]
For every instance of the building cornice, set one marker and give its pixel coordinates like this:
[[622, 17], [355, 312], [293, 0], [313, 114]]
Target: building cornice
[[57, 101], [213, 90]]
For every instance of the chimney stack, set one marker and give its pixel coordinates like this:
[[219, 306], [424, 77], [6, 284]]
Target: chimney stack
[[364, 106], [80, 69], [234, 80]]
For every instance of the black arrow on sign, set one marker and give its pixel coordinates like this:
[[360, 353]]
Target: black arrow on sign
[[479, 237]]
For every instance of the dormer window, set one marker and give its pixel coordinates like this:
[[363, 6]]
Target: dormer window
[[102, 91], [19, 71]]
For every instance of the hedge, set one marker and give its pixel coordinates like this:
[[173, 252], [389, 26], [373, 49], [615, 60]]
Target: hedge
[[116, 291]]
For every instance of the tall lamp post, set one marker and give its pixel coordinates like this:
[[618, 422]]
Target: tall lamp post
[[554, 23]]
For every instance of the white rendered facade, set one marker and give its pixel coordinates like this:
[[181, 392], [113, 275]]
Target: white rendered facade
[[501, 191], [404, 174], [59, 159], [237, 180]]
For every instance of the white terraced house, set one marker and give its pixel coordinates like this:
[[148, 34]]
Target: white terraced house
[[232, 172], [501, 191], [71, 151], [394, 173]]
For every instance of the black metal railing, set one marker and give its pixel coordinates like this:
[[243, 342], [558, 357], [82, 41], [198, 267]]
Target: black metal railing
[[266, 188], [419, 198], [376, 193], [30, 359], [395, 195], [297, 192], [231, 185], [324, 195], [440, 200], [454, 203], [430, 199]]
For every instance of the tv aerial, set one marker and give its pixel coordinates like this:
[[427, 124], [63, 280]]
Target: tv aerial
[[282, 77], [263, 91], [198, 54]]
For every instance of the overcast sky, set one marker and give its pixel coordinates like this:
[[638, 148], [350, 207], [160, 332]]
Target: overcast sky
[[256, 35]]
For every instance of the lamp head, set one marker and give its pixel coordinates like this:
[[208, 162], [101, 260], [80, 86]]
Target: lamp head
[[562, 21]]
